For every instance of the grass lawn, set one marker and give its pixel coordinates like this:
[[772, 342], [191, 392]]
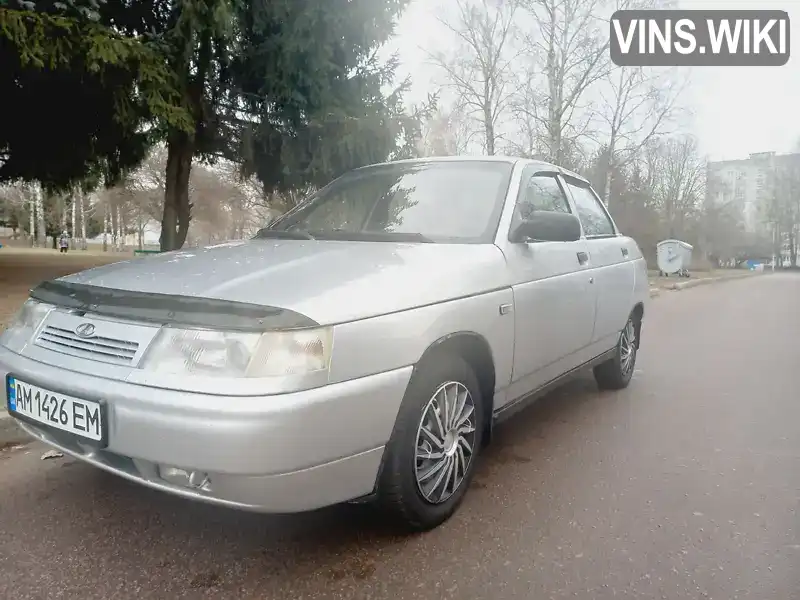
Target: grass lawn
[[23, 268]]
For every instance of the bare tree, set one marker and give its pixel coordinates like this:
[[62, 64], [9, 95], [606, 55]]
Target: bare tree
[[32, 213], [445, 133], [61, 209], [636, 106], [27, 199], [119, 230], [82, 206], [569, 43], [17, 200], [678, 175], [148, 183], [76, 193], [41, 231], [250, 207], [666, 190], [526, 114], [224, 204], [105, 227], [137, 201], [479, 69]]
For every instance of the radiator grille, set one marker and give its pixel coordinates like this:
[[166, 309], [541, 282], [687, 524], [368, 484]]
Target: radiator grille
[[106, 349]]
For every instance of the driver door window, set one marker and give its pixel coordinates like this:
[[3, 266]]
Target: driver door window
[[539, 191], [593, 216]]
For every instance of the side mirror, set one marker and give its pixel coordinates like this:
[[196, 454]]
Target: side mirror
[[547, 226]]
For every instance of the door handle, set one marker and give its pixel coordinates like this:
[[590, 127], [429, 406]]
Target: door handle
[[583, 258], [625, 253]]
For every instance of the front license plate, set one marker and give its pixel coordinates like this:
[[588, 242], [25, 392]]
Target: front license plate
[[83, 418]]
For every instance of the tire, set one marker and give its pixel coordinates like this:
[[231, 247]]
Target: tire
[[616, 372], [416, 506]]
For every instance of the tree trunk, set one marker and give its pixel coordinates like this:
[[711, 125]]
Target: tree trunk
[[82, 200], [120, 231], [554, 101], [177, 208], [489, 127], [32, 230], [777, 250], [105, 228], [181, 148], [610, 165], [73, 234], [62, 210], [607, 189], [125, 233], [140, 224], [113, 226], [41, 233]]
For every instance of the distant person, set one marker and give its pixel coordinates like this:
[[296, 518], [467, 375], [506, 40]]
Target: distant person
[[63, 242]]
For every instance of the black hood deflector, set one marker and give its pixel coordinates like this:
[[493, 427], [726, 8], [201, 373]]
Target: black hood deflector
[[167, 309]]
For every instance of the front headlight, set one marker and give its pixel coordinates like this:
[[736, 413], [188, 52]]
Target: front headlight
[[24, 324], [230, 354]]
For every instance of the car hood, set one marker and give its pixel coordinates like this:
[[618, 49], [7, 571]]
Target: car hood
[[327, 281]]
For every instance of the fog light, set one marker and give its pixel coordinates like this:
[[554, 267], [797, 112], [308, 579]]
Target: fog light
[[190, 479]]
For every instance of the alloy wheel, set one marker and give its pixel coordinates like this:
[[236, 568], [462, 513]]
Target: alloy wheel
[[445, 441], [627, 348]]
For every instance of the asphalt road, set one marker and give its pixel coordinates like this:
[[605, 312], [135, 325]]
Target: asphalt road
[[686, 485]]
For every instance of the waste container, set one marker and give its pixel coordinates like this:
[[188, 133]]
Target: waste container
[[674, 257]]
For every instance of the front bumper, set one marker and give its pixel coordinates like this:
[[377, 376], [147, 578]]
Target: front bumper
[[279, 453]]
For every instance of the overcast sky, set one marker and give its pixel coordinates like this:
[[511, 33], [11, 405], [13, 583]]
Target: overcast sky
[[736, 111]]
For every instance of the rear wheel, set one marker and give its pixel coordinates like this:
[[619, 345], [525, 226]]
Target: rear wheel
[[431, 456], [616, 372]]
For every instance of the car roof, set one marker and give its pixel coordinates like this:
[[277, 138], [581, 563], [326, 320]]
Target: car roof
[[545, 166]]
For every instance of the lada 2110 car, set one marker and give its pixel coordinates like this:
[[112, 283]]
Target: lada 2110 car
[[360, 347]]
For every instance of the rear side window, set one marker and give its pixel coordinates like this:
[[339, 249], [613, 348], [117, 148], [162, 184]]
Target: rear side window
[[593, 216]]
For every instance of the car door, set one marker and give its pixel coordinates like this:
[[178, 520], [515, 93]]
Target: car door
[[612, 260], [553, 294]]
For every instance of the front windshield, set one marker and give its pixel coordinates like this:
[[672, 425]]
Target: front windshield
[[456, 202]]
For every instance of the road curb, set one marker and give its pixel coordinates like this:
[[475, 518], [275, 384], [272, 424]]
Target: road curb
[[10, 432], [683, 285]]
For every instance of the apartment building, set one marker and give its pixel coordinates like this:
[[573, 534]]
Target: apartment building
[[750, 185]]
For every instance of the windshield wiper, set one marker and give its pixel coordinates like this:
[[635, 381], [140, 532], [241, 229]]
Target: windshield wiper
[[283, 234]]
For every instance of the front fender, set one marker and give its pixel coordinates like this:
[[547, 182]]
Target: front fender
[[400, 339]]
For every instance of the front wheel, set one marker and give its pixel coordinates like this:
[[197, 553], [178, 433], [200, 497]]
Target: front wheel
[[431, 456], [616, 372]]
